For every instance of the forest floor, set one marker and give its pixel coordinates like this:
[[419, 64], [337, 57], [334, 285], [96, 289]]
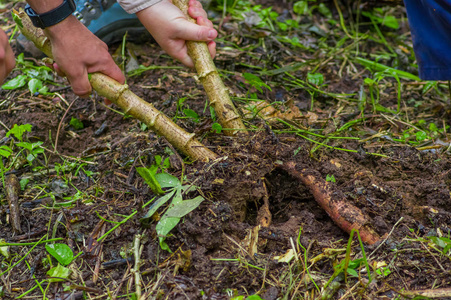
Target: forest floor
[[340, 99]]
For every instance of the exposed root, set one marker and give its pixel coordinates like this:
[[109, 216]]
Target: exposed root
[[345, 215]]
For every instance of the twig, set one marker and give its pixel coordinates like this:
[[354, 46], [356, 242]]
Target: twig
[[6, 127], [137, 252], [386, 238], [60, 124]]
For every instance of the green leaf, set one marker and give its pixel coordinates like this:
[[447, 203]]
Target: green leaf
[[4, 250], [216, 127], [15, 83], [166, 225], [5, 151], [61, 252], [324, 10], [255, 81], [167, 180], [23, 183], [76, 123], [60, 272], [254, 297], [315, 78], [34, 85], [183, 208], [172, 217], [282, 26], [149, 178], [421, 136], [300, 7], [19, 130], [191, 114], [352, 272], [145, 221], [390, 21]]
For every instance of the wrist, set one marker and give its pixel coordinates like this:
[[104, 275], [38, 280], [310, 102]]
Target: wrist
[[63, 28], [41, 7], [53, 16]]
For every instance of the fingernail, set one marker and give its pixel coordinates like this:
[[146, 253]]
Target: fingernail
[[211, 34]]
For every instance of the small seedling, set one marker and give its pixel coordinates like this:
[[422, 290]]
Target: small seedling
[[174, 192], [330, 178]]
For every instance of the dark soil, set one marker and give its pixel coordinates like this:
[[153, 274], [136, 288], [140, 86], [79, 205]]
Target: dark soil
[[405, 191]]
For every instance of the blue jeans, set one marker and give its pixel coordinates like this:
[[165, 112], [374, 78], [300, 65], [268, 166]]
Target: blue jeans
[[430, 24]]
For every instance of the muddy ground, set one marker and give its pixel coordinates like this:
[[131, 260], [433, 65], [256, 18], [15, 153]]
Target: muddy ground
[[403, 189]]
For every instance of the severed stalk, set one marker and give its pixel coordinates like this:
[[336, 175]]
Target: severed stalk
[[214, 87], [124, 98]]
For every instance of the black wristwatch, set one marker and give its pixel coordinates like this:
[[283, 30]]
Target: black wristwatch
[[52, 17]]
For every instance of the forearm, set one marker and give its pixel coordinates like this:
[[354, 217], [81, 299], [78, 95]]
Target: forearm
[[134, 6]]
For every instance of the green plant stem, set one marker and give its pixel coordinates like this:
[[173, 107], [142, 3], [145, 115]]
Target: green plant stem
[[29, 251], [29, 244]]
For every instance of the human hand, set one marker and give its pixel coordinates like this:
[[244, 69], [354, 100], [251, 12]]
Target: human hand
[[171, 29], [7, 61], [77, 52]]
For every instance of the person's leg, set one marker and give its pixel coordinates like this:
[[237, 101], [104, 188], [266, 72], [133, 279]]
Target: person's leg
[[430, 24]]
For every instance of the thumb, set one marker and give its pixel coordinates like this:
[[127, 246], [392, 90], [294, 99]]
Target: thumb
[[193, 32]]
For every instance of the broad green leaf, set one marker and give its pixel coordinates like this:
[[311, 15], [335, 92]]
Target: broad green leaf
[[390, 21], [191, 114], [183, 208], [5, 151], [34, 85], [353, 272], [165, 225], [154, 207], [61, 252], [173, 215], [4, 250], [15, 83], [167, 180], [149, 178], [60, 272], [441, 242], [300, 7]]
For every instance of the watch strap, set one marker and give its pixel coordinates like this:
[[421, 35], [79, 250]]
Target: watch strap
[[52, 17]]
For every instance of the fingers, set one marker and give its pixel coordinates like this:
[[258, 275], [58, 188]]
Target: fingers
[[196, 11], [185, 59], [193, 32], [212, 48], [7, 61], [80, 83]]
